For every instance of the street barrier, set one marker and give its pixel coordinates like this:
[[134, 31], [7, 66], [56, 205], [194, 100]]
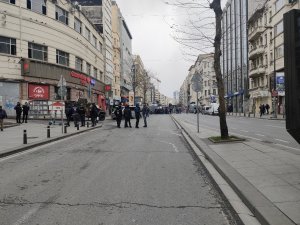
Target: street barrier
[[48, 131], [24, 137]]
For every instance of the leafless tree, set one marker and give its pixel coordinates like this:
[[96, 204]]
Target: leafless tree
[[203, 33]]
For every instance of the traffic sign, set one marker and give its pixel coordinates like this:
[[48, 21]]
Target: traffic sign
[[197, 82], [62, 82], [62, 91]]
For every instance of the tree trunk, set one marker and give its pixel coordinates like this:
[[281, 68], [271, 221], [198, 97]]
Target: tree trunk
[[216, 6]]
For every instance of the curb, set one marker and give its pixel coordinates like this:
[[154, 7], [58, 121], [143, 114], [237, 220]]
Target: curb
[[261, 207], [15, 150]]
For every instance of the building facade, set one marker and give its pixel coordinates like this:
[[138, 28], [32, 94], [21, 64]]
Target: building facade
[[40, 41], [234, 59]]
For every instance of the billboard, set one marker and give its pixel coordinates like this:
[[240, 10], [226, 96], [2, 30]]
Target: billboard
[[280, 87]]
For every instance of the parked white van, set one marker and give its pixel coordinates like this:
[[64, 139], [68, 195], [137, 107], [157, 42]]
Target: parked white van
[[214, 109]]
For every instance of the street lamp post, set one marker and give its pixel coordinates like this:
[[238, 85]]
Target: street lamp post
[[133, 70], [274, 98]]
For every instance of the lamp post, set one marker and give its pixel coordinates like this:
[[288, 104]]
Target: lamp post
[[274, 98], [133, 70]]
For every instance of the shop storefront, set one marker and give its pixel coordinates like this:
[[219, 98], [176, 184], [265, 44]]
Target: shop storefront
[[9, 96]]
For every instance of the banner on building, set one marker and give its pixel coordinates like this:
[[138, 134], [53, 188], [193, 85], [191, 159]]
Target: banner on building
[[280, 87], [38, 92]]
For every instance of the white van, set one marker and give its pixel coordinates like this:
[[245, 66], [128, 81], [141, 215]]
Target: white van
[[214, 109]]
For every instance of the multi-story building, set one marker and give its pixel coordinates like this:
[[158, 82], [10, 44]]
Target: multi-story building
[[266, 56], [116, 34], [139, 73], [100, 14], [234, 48], [40, 41], [175, 97]]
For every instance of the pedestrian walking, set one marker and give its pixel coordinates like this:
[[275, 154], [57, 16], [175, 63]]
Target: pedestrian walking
[[76, 116], [69, 112], [137, 111], [81, 112], [145, 113], [25, 109], [267, 108], [94, 114], [127, 116], [18, 109], [261, 109], [118, 113], [3, 115]]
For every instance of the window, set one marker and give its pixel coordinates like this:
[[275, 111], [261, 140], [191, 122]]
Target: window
[[94, 41], [62, 58], [278, 5], [279, 27], [77, 25], [8, 45], [38, 6], [279, 52], [9, 1], [100, 47], [87, 34], [78, 63], [95, 72], [38, 52], [214, 92], [61, 15], [88, 69]]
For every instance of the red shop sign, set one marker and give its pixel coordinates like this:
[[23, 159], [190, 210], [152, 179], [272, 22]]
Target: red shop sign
[[38, 91]]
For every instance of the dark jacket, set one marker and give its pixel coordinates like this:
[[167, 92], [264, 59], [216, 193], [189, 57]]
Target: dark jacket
[[25, 109], [127, 113], [137, 111], [3, 114], [118, 113], [94, 112], [145, 111], [81, 111], [18, 109]]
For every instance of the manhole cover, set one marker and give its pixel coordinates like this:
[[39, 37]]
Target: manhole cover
[[31, 137]]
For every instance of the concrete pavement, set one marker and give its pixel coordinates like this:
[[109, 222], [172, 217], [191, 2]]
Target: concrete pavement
[[265, 178], [11, 138]]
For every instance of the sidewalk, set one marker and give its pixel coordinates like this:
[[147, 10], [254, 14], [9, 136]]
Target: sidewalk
[[257, 116], [11, 138], [266, 179]]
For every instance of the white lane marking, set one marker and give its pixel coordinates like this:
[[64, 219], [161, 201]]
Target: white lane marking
[[26, 216], [176, 134], [260, 135], [281, 140], [245, 131], [274, 126], [287, 147], [169, 143]]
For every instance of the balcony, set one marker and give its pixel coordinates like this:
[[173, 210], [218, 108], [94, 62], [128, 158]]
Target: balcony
[[257, 71], [255, 52], [126, 86], [259, 92], [256, 33]]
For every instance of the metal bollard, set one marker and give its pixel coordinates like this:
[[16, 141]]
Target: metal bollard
[[78, 126], [48, 131], [24, 137], [65, 130], [88, 124]]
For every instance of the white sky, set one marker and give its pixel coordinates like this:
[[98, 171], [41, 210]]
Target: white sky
[[150, 22]]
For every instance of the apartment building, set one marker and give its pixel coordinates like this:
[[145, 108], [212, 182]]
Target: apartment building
[[266, 54], [116, 35], [39, 42]]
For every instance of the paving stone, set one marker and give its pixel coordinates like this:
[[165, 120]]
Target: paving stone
[[291, 209], [281, 193]]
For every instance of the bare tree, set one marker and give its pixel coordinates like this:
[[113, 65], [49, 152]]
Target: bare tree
[[144, 83], [198, 36]]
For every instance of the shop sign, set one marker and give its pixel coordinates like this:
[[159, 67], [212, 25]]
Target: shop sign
[[84, 80], [108, 88], [280, 87], [38, 91]]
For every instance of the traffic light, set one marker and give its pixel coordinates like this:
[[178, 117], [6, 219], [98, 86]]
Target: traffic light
[[292, 72]]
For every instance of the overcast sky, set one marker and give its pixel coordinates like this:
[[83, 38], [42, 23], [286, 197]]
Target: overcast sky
[[151, 23]]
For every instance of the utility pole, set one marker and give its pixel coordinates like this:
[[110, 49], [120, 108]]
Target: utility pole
[[133, 70]]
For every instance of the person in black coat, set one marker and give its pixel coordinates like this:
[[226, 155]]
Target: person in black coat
[[118, 113], [69, 112], [137, 111], [127, 116], [81, 112], [25, 112], [18, 109], [94, 114]]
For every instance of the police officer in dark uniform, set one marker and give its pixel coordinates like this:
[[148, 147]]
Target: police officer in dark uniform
[[118, 113]]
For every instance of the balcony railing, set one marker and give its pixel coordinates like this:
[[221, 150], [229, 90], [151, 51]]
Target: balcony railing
[[256, 33], [255, 52], [257, 71]]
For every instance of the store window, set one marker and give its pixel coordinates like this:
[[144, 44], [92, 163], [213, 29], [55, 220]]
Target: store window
[[88, 69], [77, 25], [38, 52], [8, 45], [38, 6], [57, 96], [9, 1], [61, 15], [78, 64], [62, 58]]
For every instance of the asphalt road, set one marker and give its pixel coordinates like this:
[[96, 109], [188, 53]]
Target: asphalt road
[[269, 132], [111, 176]]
